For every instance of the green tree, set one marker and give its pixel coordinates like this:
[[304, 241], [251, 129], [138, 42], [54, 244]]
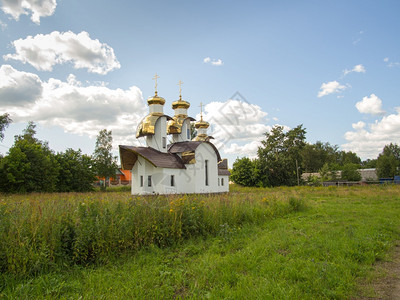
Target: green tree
[[328, 172], [5, 120], [193, 132], [314, 156], [369, 163], [29, 165], [388, 162], [279, 157], [76, 173], [350, 172], [105, 162], [243, 172], [348, 157]]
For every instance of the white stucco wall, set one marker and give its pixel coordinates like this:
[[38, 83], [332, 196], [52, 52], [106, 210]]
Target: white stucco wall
[[186, 181], [160, 132], [182, 137], [156, 108], [205, 152], [223, 181]]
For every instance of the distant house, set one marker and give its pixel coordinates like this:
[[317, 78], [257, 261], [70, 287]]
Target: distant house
[[122, 177], [366, 175]]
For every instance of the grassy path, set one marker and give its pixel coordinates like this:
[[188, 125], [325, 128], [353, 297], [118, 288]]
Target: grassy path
[[326, 251]]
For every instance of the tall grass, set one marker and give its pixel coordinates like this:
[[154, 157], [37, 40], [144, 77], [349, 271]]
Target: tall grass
[[44, 232]]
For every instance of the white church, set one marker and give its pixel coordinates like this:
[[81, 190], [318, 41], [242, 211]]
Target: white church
[[172, 162]]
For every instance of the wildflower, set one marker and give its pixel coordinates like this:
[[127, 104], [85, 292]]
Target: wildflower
[[171, 210]]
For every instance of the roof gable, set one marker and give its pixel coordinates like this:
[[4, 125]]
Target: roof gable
[[190, 146], [130, 154]]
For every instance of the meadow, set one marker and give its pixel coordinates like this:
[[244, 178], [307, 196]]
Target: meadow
[[280, 243]]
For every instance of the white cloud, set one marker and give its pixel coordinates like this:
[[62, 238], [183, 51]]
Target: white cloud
[[391, 64], [78, 109], [18, 88], [370, 105], [356, 69], [45, 51], [359, 125], [214, 62], [38, 8], [330, 88], [217, 62], [3, 25], [368, 143], [249, 150], [235, 122]]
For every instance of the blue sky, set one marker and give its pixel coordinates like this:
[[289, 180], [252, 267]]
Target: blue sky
[[76, 67]]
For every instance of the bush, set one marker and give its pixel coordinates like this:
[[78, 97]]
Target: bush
[[350, 172]]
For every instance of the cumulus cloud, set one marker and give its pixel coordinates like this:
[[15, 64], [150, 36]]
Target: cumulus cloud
[[249, 149], [213, 62], [37, 8], [370, 105], [18, 88], [359, 125], [78, 109], [330, 88], [43, 51], [368, 141], [235, 122], [356, 69]]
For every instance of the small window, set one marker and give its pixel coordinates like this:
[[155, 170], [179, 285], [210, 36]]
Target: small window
[[149, 180], [141, 180], [188, 134], [172, 180], [164, 142], [222, 181], [206, 171]]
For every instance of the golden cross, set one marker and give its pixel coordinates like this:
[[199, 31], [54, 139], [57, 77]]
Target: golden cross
[[155, 78], [180, 88], [201, 111]]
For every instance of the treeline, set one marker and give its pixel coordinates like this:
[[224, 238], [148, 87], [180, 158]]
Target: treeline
[[284, 156], [31, 166]]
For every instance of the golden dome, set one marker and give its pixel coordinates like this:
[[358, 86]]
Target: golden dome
[[180, 104], [147, 125], [201, 124], [202, 138], [156, 100]]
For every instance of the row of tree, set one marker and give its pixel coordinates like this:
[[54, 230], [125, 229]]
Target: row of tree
[[284, 156], [31, 166]]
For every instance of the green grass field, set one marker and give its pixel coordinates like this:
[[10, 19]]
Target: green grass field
[[281, 243]]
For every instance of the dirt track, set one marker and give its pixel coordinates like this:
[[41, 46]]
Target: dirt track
[[387, 284]]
